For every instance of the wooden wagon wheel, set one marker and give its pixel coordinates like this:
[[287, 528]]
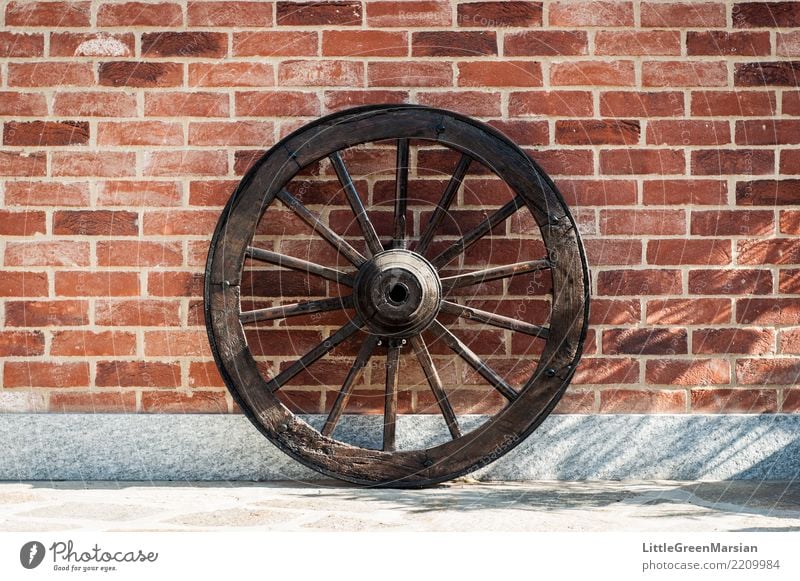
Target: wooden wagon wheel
[[391, 292]]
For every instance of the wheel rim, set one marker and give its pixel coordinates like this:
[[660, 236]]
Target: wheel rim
[[396, 293]]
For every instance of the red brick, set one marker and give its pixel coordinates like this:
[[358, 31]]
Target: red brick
[[20, 193], [761, 74], [718, 42], [91, 344], [733, 103], [653, 341], [546, 43], [580, 73], [50, 74], [767, 311], [788, 43], [204, 374], [732, 401], [25, 223], [23, 284], [767, 192], [789, 281], [49, 313], [575, 401], [674, 251], [407, 14], [321, 73], [15, 44], [139, 133], [175, 284], [730, 282], [694, 372], [347, 13], [185, 104], [765, 14], [138, 253], [92, 402], [683, 14], [235, 133], [638, 282], [97, 284], [276, 103], [50, 14], [179, 222], [694, 311], [276, 43], [634, 43], [608, 370], [447, 43], [571, 162], [724, 341], [176, 343], [791, 401], [635, 222], [140, 74], [779, 251], [139, 14], [615, 312], [642, 161], [641, 104], [607, 252], [22, 164], [95, 223], [15, 104], [227, 74], [732, 223], [639, 401], [45, 253], [684, 74], [499, 74], [94, 104], [681, 192], [790, 162], [598, 192], [230, 14], [364, 43], [336, 100], [184, 44], [767, 132], [45, 374], [100, 163], [768, 371], [789, 224], [499, 15], [137, 313], [71, 44], [183, 163], [789, 341], [192, 402], [578, 14], [688, 132], [409, 74], [138, 193], [137, 374], [474, 103], [597, 132], [741, 161], [551, 103], [210, 192]]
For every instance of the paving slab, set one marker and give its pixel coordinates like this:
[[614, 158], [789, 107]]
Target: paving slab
[[463, 505]]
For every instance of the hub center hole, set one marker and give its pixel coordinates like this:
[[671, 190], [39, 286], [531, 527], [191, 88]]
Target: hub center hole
[[398, 293]]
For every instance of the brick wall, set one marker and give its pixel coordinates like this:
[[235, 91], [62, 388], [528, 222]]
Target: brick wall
[[671, 128]]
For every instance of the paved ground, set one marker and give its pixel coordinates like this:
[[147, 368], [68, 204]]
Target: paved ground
[[461, 506]]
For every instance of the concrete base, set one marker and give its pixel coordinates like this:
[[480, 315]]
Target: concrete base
[[227, 447]]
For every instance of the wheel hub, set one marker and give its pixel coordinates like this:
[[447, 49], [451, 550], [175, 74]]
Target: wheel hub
[[397, 293]]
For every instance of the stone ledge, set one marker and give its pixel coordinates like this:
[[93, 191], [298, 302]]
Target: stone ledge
[[565, 447]]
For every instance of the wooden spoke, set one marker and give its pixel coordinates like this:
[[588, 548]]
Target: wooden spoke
[[340, 244], [390, 401], [474, 361], [352, 377], [299, 264], [373, 243], [444, 204], [494, 319], [296, 309], [478, 232], [487, 274], [401, 195], [319, 351], [424, 358]]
